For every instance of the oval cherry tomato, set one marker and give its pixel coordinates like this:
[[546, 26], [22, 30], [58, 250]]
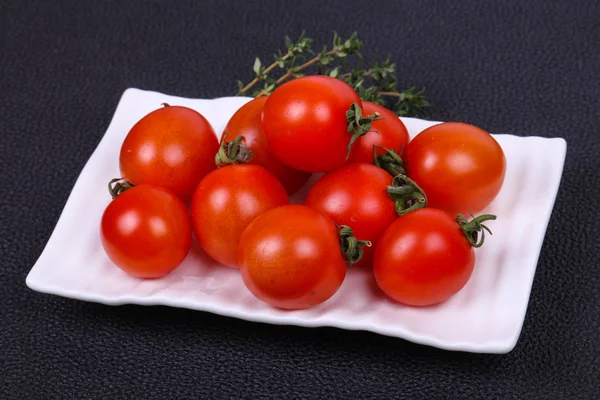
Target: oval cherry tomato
[[226, 201], [247, 122], [172, 147], [290, 257], [355, 195], [305, 122], [459, 166], [388, 132], [423, 258], [146, 231]]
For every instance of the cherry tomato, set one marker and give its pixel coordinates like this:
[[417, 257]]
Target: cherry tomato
[[172, 147], [355, 195], [459, 166], [146, 231], [305, 122], [247, 122], [226, 201], [388, 132], [290, 257], [424, 258]]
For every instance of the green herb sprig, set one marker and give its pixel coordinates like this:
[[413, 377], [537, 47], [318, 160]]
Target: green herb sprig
[[376, 83]]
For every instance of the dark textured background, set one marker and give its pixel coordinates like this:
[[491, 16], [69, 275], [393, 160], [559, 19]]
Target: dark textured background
[[509, 66]]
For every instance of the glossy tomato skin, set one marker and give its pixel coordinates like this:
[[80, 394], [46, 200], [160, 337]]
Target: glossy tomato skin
[[290, 257], [460, 167], [173, 147], [423, 258], [355, 195], [389, 132], [305, 122], [247, 122], [146, 231], [226, 201]]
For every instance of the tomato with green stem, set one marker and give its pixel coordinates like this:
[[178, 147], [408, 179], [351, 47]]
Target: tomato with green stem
[[386, 132], [356, 195], [311, 122], [247, 122], [367, 197], [426, 256], [295, 257], [145, 230]]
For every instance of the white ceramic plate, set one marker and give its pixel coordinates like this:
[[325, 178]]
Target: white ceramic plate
[[486, 316]]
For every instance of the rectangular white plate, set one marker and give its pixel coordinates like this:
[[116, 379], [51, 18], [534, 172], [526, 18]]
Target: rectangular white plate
[[486, 316]]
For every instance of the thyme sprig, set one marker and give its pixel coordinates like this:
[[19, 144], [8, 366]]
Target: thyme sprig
[[376, 83]]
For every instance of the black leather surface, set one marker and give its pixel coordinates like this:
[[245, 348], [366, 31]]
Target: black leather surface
[[509, 66]]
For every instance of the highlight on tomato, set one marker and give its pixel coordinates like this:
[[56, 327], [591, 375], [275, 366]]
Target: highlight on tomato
[[172, 147], [145, 230], [294, 257], [228, 199], [387, 132], [247, 122], [312, 122], [459, 166], [426, 256]]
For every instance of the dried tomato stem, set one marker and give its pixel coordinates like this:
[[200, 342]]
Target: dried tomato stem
[[357, 124], [233, 152], [472, 228], [407, 195], [117, 186], [351, 246], [390, 160]]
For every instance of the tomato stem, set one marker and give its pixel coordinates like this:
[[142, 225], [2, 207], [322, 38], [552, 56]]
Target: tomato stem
[[405, 192], [233, 152], [351, 246], [472, 228], [165, 104], [117, 186], [358, 124], [407, 195], [390, 160]]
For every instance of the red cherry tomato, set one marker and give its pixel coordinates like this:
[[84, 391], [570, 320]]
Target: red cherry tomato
[[459, 166], [172, 147], [423, 258], [305, 122], [247, 122], [290, 257], [355, 195], [226, 201], [146, 231], [388, 132]]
